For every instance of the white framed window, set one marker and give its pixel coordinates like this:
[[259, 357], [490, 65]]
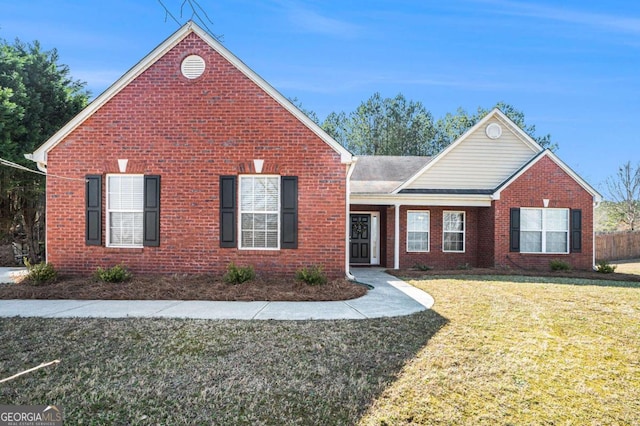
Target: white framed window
[[125, 210], [544, 230], [259, 212], [453, 229], [418, 224]]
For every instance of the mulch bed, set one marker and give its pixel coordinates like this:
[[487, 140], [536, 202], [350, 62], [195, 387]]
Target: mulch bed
[[184, 287], [590, 275]]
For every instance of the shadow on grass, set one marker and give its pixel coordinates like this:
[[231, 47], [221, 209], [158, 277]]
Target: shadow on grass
[[135, 371]]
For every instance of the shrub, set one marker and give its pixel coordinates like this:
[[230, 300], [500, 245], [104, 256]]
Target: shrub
[[559, 265], [312, 275], [422, 267], [115, 274], [238, 274], [41, 273], [605, 267]]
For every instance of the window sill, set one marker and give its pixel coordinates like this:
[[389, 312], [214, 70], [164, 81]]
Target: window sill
[[551, 253]]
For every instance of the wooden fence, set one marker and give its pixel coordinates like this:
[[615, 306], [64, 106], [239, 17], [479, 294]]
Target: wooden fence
[[618, 245]]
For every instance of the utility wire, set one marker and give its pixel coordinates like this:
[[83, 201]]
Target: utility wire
[[38, 172], [195, 6]]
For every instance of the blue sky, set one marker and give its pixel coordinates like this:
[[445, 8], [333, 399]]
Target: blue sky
[[573, 67]]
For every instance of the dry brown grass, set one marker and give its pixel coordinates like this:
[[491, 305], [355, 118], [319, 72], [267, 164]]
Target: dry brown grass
[[627, 266], [524, 352]]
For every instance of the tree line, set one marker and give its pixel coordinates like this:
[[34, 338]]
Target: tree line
[[37, 97], [398, 126]]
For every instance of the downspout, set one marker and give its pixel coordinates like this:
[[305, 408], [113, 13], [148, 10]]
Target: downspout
[[396, 239], [596, 203], [350, 167]]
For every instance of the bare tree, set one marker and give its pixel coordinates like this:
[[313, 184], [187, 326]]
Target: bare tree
[[624, 191]]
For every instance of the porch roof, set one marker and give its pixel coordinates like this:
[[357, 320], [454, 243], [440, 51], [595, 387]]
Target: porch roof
[[382, 174]]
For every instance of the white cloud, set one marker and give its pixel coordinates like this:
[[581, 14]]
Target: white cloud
[[601, 21], [311, 21]]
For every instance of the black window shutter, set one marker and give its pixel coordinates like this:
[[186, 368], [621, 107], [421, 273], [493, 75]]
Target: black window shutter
[[93, 233], [289, 212], [151, 216], [228, 211], [576, 230], [514, 230]]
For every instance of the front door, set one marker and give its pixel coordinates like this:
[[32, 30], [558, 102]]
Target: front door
[[360, 238]]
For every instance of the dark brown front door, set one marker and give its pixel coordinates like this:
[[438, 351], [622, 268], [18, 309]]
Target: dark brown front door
[[360, 238]]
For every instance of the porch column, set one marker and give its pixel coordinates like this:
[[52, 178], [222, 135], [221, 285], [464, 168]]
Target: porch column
[[396, 239]]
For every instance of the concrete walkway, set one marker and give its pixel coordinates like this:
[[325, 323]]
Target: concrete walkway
[[390, 297]]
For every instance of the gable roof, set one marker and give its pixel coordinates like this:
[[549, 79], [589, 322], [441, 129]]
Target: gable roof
[[466, 153], [381, 174], [597, 197], [40, 154]]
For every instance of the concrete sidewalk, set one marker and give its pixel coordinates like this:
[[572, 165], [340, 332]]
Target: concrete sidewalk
[[390, 297]]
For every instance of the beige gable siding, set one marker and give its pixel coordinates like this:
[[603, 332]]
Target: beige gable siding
[[477, 162]]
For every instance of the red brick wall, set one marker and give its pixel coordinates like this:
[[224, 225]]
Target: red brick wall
[[487, 228], [436, 258], [190, 132], [486, 231], [544, 180]]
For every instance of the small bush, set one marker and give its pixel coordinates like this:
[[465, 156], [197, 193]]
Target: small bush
[[605, 267], [422, 267], [312, 275], [238, 274], [41, 274], [559, 265], [115, 274]]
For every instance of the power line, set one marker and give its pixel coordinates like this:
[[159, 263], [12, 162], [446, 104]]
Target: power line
[[26, 169], [196, 10]]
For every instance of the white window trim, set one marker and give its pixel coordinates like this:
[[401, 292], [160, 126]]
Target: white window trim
[[544, 231], [463, 232], [428, 213], [109, 211], [240, 211]]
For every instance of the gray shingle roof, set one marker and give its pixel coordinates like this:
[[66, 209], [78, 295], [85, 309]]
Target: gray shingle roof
[[381, 174]]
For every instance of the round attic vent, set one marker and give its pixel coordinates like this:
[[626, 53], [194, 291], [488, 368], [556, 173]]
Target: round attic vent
[[493, 131], [192, 66]]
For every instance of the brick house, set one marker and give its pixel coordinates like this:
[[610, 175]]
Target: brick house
[[191, 161], [493, 198]]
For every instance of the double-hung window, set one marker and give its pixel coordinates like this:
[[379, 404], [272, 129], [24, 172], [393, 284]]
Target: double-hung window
[[453, 227], [544, 230], [259, 212], [125, 210], [418, 231]]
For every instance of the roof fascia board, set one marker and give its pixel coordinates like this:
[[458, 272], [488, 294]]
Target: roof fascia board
[[493, 113], [345, 156], [435, 200], [40, 154], [597, 197]]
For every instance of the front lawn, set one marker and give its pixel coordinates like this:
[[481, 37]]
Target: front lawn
[[184, 372], [527, 352], [495, 350]]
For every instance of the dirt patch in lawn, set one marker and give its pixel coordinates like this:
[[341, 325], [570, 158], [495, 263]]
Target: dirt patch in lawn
[[185, 287]]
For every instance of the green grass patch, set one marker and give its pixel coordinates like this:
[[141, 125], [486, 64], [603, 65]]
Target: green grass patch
[[526, 352], [144, 371]]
